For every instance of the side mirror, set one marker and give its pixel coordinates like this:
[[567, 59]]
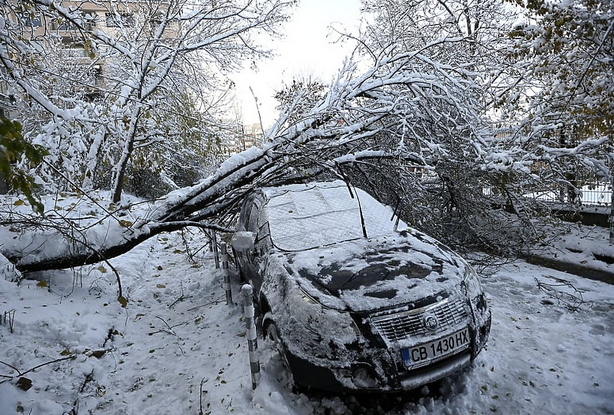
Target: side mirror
[[243, 241]]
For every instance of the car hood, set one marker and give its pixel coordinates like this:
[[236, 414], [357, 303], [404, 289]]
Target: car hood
[[408, 268]]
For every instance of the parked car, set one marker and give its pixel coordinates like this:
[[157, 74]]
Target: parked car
[[355, 299]]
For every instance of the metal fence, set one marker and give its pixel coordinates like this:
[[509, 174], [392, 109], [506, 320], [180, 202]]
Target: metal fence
[[589, 195], [597, 194]]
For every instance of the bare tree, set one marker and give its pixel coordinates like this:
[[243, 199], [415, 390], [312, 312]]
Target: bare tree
[[300, 96], [567, 52], [415, 128], [336, 133], [160, 66], [529, 89]]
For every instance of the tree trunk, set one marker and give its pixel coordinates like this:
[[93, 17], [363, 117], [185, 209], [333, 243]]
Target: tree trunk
[[200, 206], [120, 174], [612, 193]]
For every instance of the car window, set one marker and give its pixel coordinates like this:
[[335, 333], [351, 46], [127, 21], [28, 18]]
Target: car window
[[263, 236], [254, 218], [246, 211], [252, 222], [312, 217]]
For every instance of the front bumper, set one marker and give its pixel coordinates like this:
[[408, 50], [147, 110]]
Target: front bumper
[[361, 376], [373, 361], [378, 369]]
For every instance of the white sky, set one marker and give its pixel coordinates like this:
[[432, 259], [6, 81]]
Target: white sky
[[306, 50]]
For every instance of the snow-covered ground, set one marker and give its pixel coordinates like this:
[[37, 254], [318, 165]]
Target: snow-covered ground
[[582, 246], [177, 348]]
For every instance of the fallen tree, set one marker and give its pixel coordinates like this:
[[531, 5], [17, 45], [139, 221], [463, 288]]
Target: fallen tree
[[344, 129], [409, 129]]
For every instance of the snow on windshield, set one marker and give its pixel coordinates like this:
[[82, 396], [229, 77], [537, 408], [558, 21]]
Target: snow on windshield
[[303, 217]]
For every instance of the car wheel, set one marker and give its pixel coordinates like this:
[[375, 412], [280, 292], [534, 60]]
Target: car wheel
[[271, 333], [242, 275]]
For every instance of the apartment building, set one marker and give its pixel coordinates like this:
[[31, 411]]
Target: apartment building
[[242, 137], [252, 135], [70, 45]]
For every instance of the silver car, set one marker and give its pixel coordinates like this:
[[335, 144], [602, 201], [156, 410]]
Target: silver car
[[356, 300]]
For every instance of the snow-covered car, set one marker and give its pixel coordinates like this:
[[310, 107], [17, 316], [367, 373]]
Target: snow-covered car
[[356, 300]]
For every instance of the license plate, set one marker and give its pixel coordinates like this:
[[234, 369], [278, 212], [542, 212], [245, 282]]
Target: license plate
[[424, 353]]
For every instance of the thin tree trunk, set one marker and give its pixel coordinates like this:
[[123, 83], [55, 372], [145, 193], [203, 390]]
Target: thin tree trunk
[[612, 192], [122, 166]]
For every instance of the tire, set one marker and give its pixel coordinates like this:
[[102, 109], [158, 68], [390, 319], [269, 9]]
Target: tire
[[271, 334]]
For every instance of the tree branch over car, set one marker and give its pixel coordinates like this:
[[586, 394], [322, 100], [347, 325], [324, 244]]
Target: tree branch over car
[[339, 131], [415, 122]]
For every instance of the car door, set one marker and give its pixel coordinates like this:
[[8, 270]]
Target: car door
[[262, 245], [250, 262]]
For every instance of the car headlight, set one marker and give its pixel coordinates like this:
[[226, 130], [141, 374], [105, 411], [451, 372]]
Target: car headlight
[[324, 321], [471, 282]]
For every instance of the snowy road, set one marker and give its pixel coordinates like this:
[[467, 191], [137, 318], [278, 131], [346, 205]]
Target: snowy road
[[179, 349]]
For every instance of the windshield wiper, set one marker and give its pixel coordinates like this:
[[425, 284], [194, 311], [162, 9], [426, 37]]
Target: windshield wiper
[[362, 218]]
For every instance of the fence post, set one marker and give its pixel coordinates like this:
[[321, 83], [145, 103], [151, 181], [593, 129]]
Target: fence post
[[252, 339], [225, 272], [612, 202], [216, 252]]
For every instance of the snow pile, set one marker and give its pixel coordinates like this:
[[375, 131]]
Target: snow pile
[[579, 245]]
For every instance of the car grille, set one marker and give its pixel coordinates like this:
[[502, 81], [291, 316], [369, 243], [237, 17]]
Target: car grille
[[403, 325]]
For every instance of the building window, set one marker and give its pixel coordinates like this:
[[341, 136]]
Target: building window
[[31, 20], [120, 19], [65, 25], [156, 19], [76, 51]]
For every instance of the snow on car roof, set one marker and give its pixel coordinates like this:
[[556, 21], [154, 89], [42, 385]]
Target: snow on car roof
[[307, 216]]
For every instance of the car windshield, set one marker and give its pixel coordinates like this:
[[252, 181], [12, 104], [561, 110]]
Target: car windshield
[[303, 217]]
